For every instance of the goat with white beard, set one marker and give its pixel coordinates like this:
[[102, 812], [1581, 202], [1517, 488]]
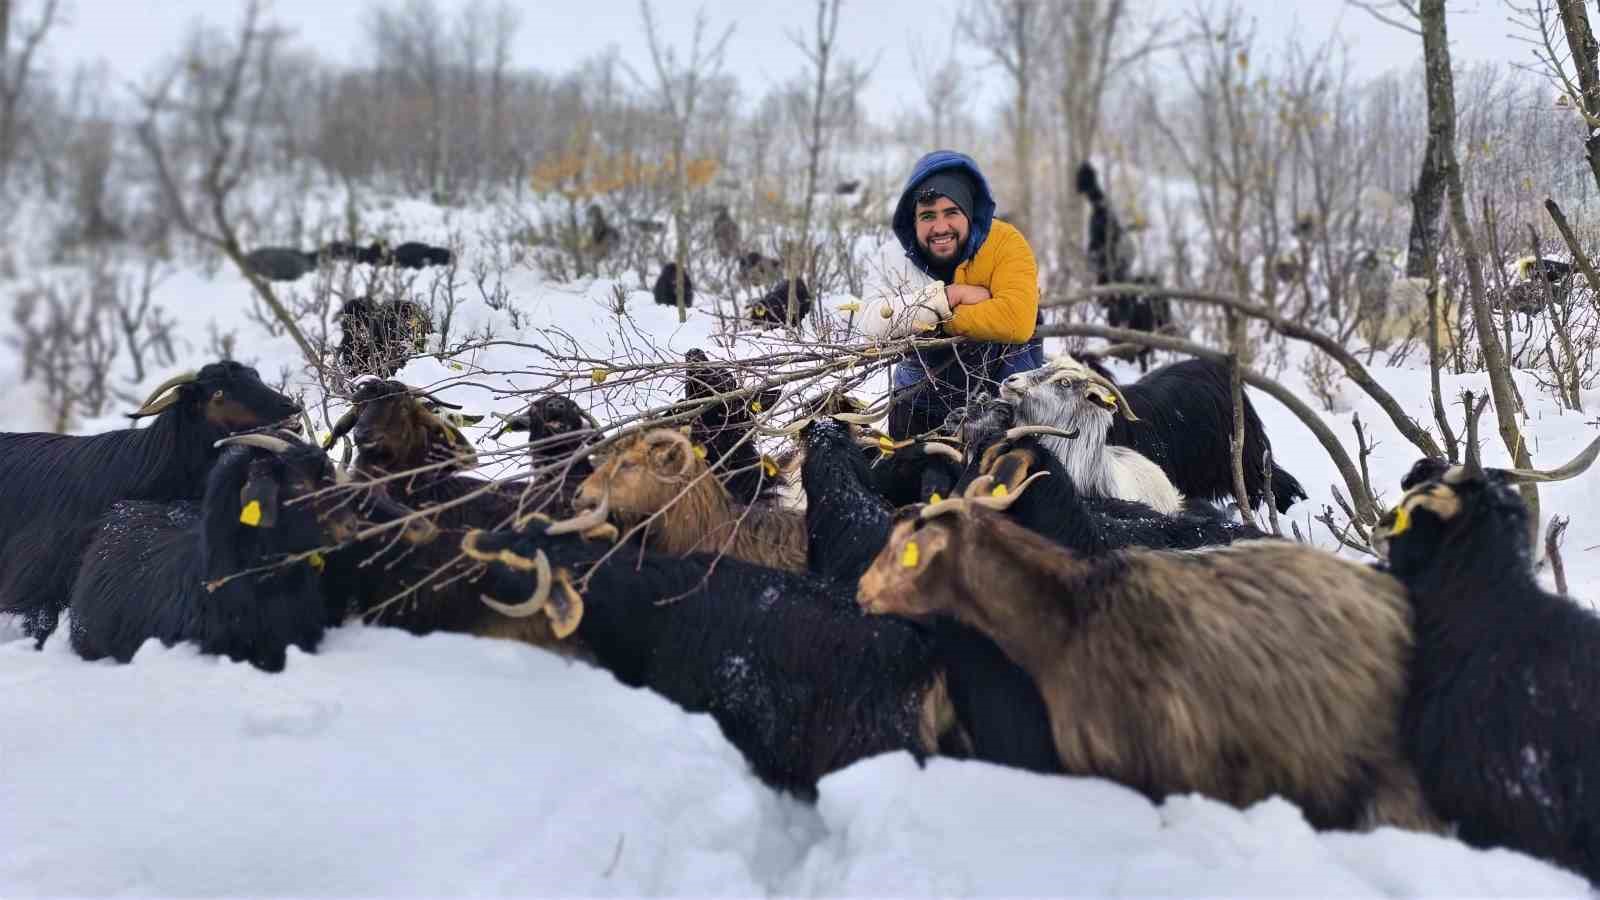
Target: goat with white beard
[[1075, 398]]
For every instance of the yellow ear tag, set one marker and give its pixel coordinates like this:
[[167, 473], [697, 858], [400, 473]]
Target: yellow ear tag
[[934, 497], [911, 555], [251, 514], [768, 466], [598, 375], [886, 445], [1402, 521], [316, 561], [755, 406], [700, 450], [999, 491]]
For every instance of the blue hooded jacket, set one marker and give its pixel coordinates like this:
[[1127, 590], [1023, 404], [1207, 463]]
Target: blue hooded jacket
[[1006, 359]]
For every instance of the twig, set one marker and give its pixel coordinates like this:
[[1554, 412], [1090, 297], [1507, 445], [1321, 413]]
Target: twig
[[1552, 551]]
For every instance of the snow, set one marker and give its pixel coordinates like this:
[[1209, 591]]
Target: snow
[[388, 764]]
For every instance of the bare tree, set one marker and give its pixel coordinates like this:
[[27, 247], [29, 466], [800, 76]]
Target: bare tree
[[17, 71], [212, 105], [1016, 33], [678, 89]]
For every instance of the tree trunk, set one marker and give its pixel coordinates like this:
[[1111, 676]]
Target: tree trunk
[[1441, 91], [1581, 43]]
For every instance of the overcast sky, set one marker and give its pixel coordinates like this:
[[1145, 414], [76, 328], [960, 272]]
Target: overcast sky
[[556, 35]]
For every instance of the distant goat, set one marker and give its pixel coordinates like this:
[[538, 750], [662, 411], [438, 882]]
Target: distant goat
[[379, 338], [755, 269], [772, 309], [557, 428], [220, 575], [1182, 420], [280, 263], [54, 486], [1110, 252], [1262, 668], [725, 232], [601, 238], [1502, 721], [666, 287]]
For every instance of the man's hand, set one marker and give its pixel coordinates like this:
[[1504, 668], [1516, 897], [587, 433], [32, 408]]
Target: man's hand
[[965, 294]]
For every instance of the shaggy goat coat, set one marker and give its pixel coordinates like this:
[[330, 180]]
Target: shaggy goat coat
[[1257, 669]]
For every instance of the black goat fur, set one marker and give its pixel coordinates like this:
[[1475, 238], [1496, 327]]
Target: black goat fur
[[796, 676], [847, 524], [771, 310], [666, 287], [144, 573], [378, 338], [53, 487], [722, 429], [1501, 720]]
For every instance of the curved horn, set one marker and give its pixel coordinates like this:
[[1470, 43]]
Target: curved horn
[[672, 436], [1575, 467], [953, 504], [585, 521], [789, 430], [989, 500], [155, 403], [1022, 431], [866, 416], [541, 589], [1108, 384], [593, 422], [342, 427], [264, 441], [945, 450], [428, 396]]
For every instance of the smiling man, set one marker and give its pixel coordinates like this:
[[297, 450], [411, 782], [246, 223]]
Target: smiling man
[[953, 269]]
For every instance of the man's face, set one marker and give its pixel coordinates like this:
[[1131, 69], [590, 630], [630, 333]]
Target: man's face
[[941, 229]]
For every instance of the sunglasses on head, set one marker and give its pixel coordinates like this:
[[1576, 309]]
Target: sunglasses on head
[[928, 195]]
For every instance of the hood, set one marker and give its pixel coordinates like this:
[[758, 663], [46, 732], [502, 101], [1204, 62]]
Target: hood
[[980, 217]]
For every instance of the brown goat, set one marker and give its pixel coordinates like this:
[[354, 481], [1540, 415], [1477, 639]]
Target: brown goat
[[1262, 668], [659, 473]]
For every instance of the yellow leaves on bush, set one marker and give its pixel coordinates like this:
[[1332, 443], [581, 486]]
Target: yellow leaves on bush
[[581, 172]]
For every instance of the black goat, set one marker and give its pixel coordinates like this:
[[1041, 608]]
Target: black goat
[[556, 427], [801, 683], [772, 308], [53, 486], [603, 237], [666, 287], [340, 250], [1110, 253], [1501, 721], [755, 269], [409, 255], [280, 263], [220, 574], [1004, 455], [378, 337], [722, 428], [725, 232], [1140, 312], [847, 524], [1184, 425]]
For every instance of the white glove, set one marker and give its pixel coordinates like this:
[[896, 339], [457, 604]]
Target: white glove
[[896, 315]]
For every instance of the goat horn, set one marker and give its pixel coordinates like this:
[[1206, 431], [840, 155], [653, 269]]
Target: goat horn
[[581, 522], [1122, 402], [1575, 467], [1022, 431], [945, 450], [541, 589], [264, 441], [789, 430], [865, 417], [342, 427], [673, 436], [985, 498], [953, 504], [155, 403], [587, 417], [428, 395]]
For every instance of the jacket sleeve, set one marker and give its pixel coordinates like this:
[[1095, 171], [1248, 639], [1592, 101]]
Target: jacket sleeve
[[1010, 313], [899, 301]]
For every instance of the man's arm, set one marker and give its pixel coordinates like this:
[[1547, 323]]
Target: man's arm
[[899, 301], [1010, 313]]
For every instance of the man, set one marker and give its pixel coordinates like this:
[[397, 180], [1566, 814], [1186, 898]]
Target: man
[[954, 269]]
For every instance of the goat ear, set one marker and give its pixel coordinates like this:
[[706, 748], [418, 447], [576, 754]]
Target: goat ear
[[920, 547], [1012, 468], [258, 502], [564, 606]]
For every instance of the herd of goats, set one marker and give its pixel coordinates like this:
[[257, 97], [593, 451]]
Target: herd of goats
[[1045, 582]]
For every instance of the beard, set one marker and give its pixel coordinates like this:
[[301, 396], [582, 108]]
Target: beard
[[952, 248]]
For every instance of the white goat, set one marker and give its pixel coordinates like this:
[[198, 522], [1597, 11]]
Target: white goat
[[1066, 394]]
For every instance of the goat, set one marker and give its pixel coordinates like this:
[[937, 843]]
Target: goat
[[53, 486], [755, 269], [280, 263], [1110, 249], [1262, 668], [1179, 417], [659, 473], [397, 431], [1140, 312], [799, 681], [722, 429], [847, 523], [417, 255], [1077, 399], [379, 338], [603, 237], [725, 232], [666, 287], [847, 187], [1004, 457], [557, 429], [225, 575], [340, 250], [1500, 722], [772, 309]]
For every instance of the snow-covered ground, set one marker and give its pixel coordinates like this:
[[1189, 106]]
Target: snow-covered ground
[[387, 764]]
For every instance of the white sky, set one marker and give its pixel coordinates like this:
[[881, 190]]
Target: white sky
[[554, 36]]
